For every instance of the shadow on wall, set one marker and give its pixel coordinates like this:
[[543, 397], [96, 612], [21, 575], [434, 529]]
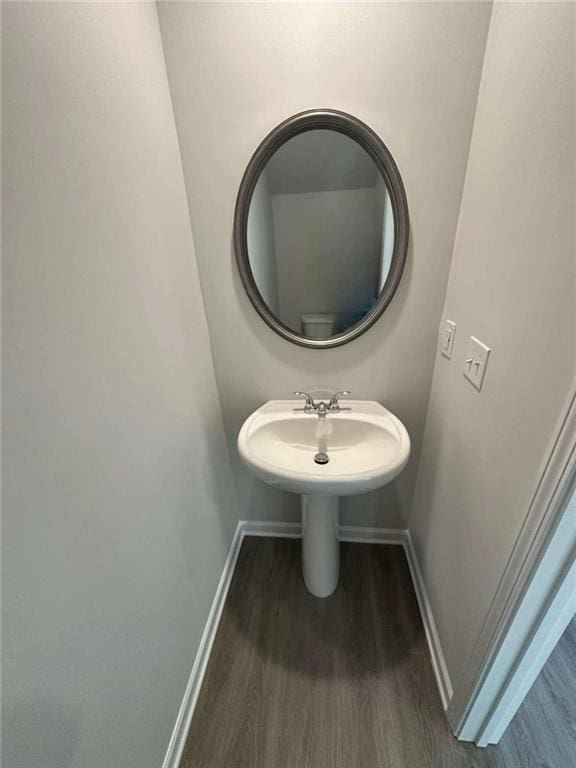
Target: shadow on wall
[[449, 449], [363, 509], [347, 635], [55, 729], [368, 509], [195, 455]]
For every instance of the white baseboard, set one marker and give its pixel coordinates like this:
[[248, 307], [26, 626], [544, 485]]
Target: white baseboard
[[270, 529], [294, 530], [434, 645], [362, 535], [345, 532], [182, 726]]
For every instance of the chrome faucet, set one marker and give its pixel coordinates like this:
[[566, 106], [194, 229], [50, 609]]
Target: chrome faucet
[[309, 405], [334, 405], [322, 408]]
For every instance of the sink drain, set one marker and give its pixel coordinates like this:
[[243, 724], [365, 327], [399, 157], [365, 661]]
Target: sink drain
[[321, 458]]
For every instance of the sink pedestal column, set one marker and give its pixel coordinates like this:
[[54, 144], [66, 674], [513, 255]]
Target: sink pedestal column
[[320, 544]]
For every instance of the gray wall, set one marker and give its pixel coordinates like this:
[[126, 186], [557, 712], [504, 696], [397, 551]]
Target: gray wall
[[410, 71], [513, 285], [118, 507]]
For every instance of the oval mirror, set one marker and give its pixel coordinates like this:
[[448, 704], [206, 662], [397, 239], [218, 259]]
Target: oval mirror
[[321, 228]]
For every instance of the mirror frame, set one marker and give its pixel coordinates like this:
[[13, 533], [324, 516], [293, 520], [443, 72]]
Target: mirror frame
[[334, 120]]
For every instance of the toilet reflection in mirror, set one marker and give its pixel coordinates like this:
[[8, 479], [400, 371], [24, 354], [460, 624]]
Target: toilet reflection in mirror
[[320, 233]]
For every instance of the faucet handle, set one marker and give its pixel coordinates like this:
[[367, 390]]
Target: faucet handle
[[334, 405], [309, 405]]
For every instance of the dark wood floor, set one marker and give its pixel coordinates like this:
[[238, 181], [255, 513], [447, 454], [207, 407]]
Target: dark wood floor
[[346, 682]]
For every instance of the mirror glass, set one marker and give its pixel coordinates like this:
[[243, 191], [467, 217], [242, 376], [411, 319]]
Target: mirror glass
[[320, 233]]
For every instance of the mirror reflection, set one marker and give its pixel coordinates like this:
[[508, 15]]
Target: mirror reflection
[[320, 233]]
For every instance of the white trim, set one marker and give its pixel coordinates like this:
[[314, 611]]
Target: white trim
[[345, 532], [178, 738], [360, 535], [544, 639], [393, 536], [476, 697], [434, 645], [271, 529]]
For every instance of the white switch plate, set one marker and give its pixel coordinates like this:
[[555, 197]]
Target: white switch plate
[[448, 338], [476, 362]]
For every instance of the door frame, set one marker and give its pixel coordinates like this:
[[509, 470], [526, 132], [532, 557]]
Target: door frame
[[530, 609]]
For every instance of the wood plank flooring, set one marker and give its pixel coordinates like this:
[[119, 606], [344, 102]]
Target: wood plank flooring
[[346, 682]]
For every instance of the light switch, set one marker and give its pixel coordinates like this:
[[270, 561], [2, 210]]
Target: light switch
[[448, 338], [476, 362]]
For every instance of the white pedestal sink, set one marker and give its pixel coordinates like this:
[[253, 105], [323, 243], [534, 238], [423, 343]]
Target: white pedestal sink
[[367, 447]]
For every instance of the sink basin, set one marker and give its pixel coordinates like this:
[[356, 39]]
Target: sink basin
[[362, 447], [367, 447]]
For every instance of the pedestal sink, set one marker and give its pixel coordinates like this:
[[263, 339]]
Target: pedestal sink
[[366, 445]]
